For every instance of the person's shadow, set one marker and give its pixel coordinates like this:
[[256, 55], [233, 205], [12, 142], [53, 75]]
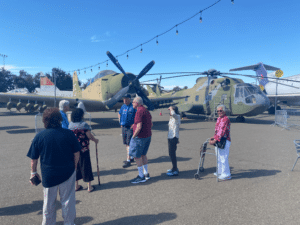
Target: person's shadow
[[27, 208], [149, 219]]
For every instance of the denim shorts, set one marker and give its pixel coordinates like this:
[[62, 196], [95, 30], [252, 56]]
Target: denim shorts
[[139, 146], [126, 135]]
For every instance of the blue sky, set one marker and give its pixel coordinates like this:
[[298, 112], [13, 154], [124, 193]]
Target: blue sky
[[39, 35]]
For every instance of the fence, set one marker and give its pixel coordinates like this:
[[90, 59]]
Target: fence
[[288, 118]]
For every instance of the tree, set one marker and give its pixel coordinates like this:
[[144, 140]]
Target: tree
[[176, 89], [64, 81], [6, 80], [24, 80], [185, 87]]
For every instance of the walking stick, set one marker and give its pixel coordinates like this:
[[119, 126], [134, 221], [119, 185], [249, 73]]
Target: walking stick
[[97, 166]]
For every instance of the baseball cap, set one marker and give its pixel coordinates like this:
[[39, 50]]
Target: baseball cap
[[127, 96]]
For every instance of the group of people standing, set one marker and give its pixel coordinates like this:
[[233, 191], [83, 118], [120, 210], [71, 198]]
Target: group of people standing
[[63, 149]]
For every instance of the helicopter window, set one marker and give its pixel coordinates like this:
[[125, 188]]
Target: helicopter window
[[246, 92], [197, 98], [239, 92]]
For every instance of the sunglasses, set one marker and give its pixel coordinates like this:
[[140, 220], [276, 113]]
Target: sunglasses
[[219, 110]]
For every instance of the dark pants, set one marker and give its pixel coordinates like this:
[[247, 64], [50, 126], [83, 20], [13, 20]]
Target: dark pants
[[84, 167], [172, 144]]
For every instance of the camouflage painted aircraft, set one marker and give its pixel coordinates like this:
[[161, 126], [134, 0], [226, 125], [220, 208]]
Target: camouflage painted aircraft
[[104, 92], [240, 99]]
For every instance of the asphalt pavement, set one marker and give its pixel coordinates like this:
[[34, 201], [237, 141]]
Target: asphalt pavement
[[263, 190]]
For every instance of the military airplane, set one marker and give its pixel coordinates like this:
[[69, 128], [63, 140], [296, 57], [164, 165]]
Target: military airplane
[[104, 92], [288, 92], [240, 99]]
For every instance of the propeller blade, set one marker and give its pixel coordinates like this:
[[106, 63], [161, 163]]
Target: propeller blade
[[117, 64], [146, 100], [112, 101], [146, 69]]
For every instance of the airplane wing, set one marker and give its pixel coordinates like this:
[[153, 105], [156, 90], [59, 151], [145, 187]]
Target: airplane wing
[[289, 99], [254, 67], [90, 105]]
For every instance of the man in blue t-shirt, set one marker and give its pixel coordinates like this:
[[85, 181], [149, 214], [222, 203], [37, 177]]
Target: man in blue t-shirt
[[126, 118]]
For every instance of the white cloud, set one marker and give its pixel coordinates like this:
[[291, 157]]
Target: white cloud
[[170, 87], [94, 39], [195, 56], [12, 67]]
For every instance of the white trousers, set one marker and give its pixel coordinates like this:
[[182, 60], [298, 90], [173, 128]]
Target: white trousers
[[223, 165], [67, 199]]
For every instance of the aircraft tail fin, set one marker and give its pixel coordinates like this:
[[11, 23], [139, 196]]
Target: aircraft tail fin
[[261, 72], [76, 88], [158, 90], [46, 85], [150, 90]]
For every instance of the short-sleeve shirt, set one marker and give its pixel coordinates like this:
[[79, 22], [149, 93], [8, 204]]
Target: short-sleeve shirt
[[143, 116], [127, 114], [222, 128], [65, 122], [55, 147], [80, 129]]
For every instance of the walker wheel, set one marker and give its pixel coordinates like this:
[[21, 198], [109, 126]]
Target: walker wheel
[[201, 169], [197, 177]]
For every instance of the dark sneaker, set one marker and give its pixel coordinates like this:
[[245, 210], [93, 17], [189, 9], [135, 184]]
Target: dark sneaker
[[138, 179], [147, 176], [170, 170], [173, 173], [126, 164], [132, 160]]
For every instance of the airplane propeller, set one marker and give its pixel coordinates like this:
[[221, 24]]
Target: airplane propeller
[[111, 102]]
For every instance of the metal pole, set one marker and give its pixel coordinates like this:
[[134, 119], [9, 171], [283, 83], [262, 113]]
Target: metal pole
[[276, 97], [54, 88]]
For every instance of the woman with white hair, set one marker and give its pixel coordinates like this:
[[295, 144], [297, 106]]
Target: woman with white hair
[[222, 134], [63, 108]]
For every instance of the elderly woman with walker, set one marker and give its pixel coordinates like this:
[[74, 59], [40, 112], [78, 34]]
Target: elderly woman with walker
[[222, 137]]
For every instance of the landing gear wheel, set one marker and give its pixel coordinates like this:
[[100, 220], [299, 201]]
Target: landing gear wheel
[[201, 169], [240, 119], [182, 115], [271, 110], [197, 177]]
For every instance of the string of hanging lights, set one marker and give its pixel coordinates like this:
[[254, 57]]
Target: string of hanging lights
[[155, 37]]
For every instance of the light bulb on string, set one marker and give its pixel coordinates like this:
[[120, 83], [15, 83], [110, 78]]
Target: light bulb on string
[[141, 49], [176, 30], [200, 17], [156, 40], [78, 71], [106, 64], [117, 59], [84, 72], [232, 1], [98, 67], [91, 70], [127, 55]]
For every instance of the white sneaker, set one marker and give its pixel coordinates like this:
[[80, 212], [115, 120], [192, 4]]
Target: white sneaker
[[224, 178], [216, 174]]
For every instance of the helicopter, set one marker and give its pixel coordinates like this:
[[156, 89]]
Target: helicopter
[[240, 99]]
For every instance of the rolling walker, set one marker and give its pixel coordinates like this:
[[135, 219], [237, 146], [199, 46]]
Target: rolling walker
[[203, 152]]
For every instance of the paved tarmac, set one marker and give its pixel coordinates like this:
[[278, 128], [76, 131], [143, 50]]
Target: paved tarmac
[[263, 190]]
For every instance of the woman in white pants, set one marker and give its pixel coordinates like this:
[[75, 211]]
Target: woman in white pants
[[222, 130]]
